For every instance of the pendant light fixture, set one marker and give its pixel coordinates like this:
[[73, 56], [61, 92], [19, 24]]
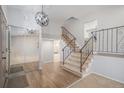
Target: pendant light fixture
[[41, 18]]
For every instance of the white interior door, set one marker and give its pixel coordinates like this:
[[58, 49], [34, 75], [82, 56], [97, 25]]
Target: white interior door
[[56, 50]]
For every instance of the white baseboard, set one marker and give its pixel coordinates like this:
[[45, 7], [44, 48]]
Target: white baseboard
[[108, 77]]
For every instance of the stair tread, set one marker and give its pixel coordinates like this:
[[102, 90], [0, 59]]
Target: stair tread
[[77, 64], [76, 53], [77, 58], [74, 59]]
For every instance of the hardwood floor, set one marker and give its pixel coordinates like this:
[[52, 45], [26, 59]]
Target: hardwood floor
[[97, 81], [52, 76]]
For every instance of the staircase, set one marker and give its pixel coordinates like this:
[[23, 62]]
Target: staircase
[[77, 60]]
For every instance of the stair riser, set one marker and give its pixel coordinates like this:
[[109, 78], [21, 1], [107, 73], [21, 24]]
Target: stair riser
[[77, 59], [76, 54], [74, 64], [77, 64], [84, 71], [75, 73]]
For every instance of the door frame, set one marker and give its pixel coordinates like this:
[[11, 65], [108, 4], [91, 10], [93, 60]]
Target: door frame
[[4, 47]]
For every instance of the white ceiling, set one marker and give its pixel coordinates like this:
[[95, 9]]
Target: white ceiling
[[56, 13]]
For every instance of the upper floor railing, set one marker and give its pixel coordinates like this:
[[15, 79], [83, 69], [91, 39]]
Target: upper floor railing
[[110, 40]]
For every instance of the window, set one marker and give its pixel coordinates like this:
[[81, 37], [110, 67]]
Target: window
[[89, 27]]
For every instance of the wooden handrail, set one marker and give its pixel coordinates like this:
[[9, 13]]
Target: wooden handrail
[[68, 44], [68, 31], [86, 43], [108, 28]]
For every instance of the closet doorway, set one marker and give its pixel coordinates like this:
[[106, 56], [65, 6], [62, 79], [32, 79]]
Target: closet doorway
[[56, 51]]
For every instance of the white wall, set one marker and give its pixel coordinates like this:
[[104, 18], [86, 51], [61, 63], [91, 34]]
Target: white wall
[[26, 19], [52, 31], [48, 52], [22, 18], [24, 49], [75, 27], [108, 17], [111, 67]]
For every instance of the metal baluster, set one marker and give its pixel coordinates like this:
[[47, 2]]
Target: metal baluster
[[111, 40], [116, 40], [74, 45], [70, 50], [81, 62], [107, 40], [96, 41], [92, 44], [99, 41], [103, 41], [63, 56]]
